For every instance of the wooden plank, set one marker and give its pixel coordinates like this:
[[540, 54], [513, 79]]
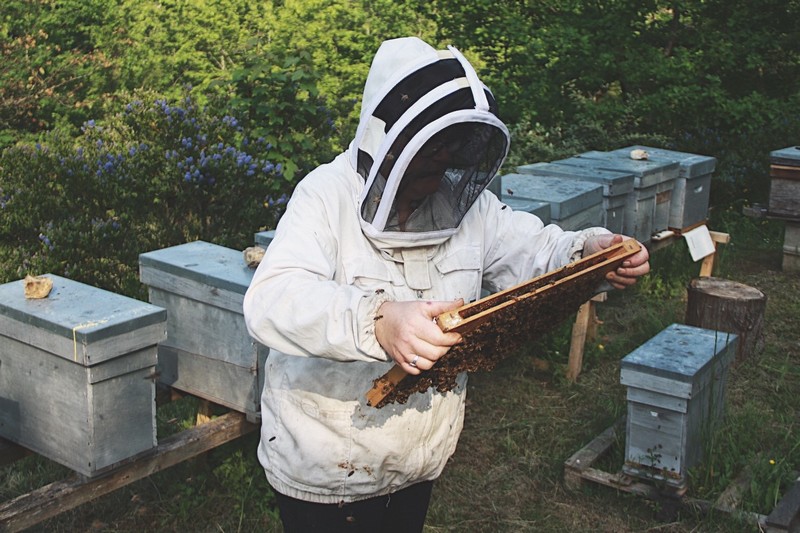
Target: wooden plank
[[48, 501], [583, 459], [786, 515]]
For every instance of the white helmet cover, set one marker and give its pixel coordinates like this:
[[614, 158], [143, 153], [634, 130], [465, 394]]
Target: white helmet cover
[[428, 142]]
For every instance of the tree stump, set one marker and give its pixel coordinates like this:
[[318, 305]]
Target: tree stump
[[728, 306]]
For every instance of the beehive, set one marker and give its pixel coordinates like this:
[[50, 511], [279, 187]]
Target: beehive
[[690, 195], [616, 187], [676, 395], [263, 238], [784, 191], [208, 351], [647, 210], [535, 207], [574, 205], [77, 374]]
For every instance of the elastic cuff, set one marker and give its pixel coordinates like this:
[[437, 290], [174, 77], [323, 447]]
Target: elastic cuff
[[576, 250], [370, 318]]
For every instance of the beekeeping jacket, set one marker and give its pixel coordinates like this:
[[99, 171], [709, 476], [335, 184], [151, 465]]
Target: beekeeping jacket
[[342, 249]]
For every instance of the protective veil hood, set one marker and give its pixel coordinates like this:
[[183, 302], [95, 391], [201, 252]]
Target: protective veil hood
[[428, 142]]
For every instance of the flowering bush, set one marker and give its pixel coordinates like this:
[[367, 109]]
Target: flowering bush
[[157, 174]]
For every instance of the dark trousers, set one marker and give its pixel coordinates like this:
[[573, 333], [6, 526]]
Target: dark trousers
[[401, 512]]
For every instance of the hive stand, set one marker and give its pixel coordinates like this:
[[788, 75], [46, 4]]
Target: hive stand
[[580, 467]]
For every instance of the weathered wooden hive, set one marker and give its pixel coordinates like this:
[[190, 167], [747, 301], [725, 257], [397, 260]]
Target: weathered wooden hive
[[617, 186], [573, 204], [77, 374], [536, 207], [647, 210], [208, 351], [676, 396], [784, 201], [690, 195]]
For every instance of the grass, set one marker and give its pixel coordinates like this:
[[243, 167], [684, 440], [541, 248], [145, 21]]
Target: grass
[[523, 421]]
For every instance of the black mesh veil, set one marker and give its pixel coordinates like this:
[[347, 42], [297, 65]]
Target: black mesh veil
[[427, 149], [436, 187]]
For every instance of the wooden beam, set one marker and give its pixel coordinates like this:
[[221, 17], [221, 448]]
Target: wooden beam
[[48, 501]]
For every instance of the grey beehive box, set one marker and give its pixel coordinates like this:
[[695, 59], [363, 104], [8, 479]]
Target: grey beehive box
[[616, 187], [574, 204], [676, 396], [77, 374], [692, 190], [647, 210], [784, 185], [208, 351], [536, 207], [263, 238]]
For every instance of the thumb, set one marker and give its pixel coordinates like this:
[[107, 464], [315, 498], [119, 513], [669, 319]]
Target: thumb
[[598, 243], [436, 308]]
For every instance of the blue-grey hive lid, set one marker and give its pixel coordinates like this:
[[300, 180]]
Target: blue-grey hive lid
[[789, 156], [648, 173], [681, 357], [691, 165], [566, 196], [615, 183], [80, 322], [199, 261]]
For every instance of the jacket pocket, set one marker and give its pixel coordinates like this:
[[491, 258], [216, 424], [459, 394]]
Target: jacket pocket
[[460, 271], [370, 273]]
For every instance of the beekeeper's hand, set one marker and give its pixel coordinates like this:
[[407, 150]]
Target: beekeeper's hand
[[631, 269], [407, 332]]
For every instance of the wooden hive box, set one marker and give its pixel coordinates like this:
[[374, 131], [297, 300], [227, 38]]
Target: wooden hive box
[[647, 211], [574, 205], [692, 190], [208, 351], [616, 187], [676, 395], [77, 374], [263, 238], [784, 190], [535, 207]]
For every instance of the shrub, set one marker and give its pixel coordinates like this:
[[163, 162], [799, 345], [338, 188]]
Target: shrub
[[157, 174]]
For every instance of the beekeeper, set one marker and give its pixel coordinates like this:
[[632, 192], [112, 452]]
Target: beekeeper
[[373, 245]]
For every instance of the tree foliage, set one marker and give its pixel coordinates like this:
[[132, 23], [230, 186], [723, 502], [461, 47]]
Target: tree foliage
[[712, 76]]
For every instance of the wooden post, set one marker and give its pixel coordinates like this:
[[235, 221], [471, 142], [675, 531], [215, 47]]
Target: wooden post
[[585, 327], [707, 267], [728, 306]]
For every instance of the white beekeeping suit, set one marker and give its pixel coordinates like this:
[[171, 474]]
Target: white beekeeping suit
[[401, 215]]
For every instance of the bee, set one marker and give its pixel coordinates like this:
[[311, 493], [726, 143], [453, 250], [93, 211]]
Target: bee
[[510, 192]]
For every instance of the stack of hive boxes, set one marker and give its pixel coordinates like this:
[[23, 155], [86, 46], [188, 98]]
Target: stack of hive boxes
[[640, 196], [676, 385], [616, 187], [208, 351], [689, 197], [77, 374], [573, 205], [784, 201]]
